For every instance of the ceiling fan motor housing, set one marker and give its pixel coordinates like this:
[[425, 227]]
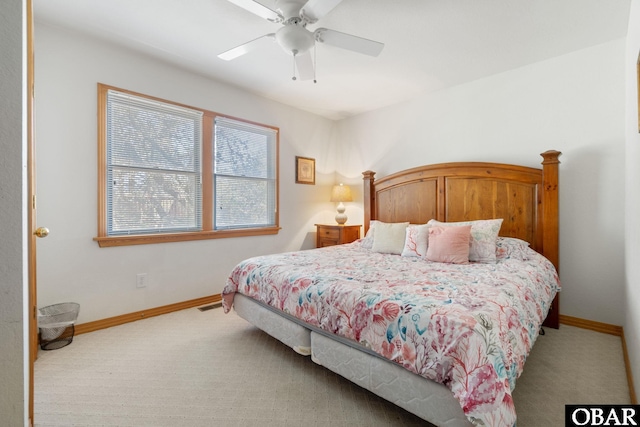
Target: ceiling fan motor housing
[[290, 8]]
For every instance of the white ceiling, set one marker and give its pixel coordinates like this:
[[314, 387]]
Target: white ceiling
[[429, 44]]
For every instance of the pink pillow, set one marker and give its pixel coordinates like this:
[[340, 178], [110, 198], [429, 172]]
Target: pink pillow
[[449, 244]]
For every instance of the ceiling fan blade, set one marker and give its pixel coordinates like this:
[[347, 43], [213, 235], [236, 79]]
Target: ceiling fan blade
[[245, 48], [316, 9], [304, 64], [258, 9], [348, 41]]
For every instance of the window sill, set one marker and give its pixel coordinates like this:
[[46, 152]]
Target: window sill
[[146, 239]]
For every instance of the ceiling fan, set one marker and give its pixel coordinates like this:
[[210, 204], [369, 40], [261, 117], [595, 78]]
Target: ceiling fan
[[294, 38]]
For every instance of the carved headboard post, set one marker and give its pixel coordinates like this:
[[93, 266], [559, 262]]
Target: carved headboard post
[[550, 205], [369, 198], [550, 236]]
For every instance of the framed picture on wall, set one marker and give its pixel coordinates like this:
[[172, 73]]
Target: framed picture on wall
[[305, 170]]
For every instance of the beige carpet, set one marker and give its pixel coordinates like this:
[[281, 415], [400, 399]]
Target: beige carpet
[[193, 368]]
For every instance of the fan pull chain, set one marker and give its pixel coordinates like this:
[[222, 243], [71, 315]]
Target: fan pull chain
[[315, 63], [294, 65]]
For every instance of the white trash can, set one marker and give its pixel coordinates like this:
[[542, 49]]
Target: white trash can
[[56, 323]]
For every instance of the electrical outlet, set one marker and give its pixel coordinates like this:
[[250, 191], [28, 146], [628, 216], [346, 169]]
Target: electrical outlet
[[141, 280]]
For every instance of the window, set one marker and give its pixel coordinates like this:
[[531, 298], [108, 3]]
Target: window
[[169, 172], [244, 175], [153, 166]]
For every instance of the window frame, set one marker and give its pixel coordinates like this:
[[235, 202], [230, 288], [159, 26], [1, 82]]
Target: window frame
[[207, 188]]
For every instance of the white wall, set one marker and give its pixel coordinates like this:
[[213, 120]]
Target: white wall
[[13, 241], [71, 266], [632, 300], [573, 103]]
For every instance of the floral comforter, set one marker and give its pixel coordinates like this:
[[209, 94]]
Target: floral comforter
[[469, 327]]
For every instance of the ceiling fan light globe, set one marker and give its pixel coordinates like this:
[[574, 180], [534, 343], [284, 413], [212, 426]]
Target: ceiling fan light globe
[[295, 40]]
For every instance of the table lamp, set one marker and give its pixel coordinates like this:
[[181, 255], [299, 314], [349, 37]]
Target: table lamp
[[341, 193]]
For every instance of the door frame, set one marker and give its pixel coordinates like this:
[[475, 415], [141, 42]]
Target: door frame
[[32, 344]]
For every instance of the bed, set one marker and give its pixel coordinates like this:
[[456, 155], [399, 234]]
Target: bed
[[440, 332]]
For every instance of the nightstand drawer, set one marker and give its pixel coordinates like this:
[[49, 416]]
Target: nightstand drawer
[[329, 233]]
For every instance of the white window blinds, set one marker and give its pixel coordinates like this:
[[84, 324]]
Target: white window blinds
[[153, 166], [245, 167]]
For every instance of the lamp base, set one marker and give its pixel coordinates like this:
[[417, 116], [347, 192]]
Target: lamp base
[[341, 217]]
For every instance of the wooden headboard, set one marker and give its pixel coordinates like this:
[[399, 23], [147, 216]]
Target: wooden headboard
[[526, 198]]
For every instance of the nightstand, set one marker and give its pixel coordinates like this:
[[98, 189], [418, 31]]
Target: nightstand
[[330, 235]]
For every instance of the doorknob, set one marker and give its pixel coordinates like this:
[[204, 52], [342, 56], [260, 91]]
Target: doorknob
[[41, 232]]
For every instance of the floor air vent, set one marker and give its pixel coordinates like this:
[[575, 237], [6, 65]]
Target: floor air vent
[[210, 306]]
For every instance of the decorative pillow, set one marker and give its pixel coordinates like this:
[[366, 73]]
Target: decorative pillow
[[484, 234], [512, 248], [367, 242], [389, 237], [449, 244], [415, 241]]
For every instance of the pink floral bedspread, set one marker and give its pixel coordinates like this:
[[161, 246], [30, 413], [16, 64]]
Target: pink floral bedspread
[[469, 327]]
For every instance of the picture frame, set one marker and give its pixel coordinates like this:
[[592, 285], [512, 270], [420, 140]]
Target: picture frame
[[305, 170]]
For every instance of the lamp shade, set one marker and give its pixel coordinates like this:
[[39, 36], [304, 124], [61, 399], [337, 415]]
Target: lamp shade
[[341, 193]]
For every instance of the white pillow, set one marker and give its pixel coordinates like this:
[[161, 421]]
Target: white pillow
[[389, 237], [416, 240], [484, 234], [367, 242]]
